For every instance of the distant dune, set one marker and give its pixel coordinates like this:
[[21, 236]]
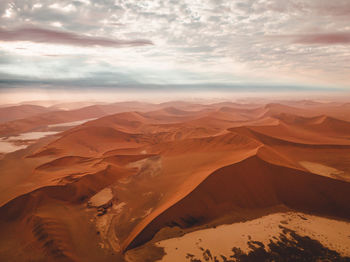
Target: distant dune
[[19, 112]]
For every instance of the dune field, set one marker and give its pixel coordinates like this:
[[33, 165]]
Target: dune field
[[175, 181]]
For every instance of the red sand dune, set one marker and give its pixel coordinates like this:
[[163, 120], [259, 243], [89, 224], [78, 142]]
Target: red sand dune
[[175, 164], [21, 111], [231, 188]]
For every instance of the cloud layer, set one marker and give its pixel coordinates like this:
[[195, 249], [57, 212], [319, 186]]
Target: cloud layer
[[297, 42], [40, 35], [324, 39]]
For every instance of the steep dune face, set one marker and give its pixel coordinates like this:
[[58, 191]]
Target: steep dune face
[[63, 162], [72, 192], [252, 183], [53, 222]]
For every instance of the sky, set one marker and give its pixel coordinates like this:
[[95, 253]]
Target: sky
[[239, 45]]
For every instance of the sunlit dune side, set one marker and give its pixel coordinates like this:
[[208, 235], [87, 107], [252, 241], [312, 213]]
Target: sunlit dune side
[[266, 185], [218, 242], [130, 180]]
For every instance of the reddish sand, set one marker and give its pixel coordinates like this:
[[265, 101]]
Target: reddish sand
[[110, 185]]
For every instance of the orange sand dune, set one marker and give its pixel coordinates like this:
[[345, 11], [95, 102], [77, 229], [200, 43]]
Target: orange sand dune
[[22, 111], [317, 134], [40, 121], [231, 188], [93, 140], [337, 110], [166, 169]]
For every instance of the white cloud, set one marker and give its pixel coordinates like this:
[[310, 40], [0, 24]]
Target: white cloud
[[225, 41], [56, 24], [37, 5], [64, 8]]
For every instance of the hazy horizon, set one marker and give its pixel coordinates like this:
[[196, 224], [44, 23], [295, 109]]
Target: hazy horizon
[[51, 97]]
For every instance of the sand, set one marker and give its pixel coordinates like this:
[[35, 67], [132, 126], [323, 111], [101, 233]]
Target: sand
[[8, 147], [101, 198], [14, 143], [220, 240], [322, 170], [70, 124], [139, 173]]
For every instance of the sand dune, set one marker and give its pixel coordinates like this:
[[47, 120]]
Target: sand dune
[[266, 185], [141, 173], [21, 111]]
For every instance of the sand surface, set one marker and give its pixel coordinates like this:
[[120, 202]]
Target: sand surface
[[14, 143], [220, 240], [101, 198], [320, 169]]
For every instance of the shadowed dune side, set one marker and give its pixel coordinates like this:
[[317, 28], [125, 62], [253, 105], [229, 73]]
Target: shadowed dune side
[[271, 139], [306, 134], [122, 160], [63, 162], [51, 223], [74, 192], [53, 237], [251, 183]]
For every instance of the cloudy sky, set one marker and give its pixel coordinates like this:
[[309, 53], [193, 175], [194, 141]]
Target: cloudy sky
[[240, 44]]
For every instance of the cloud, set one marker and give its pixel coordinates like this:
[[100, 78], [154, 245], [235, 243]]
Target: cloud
[[118, 81], [338, 38], [326, 39], [198, 41], [40, 35]]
